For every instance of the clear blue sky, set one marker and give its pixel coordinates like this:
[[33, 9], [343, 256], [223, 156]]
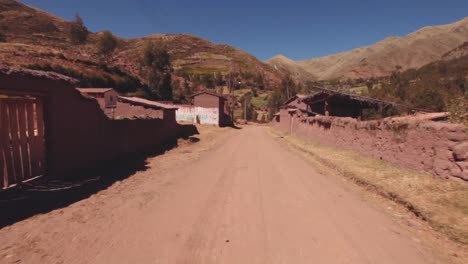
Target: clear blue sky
[[299, 29]]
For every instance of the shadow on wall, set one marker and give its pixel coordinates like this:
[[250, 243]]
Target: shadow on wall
[[43, 195]]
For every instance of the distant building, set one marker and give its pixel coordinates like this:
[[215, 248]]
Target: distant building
[[327, 103], [134, 106], [333, 103], [121, 107], [108, 94], [208, 99], [208, 108]]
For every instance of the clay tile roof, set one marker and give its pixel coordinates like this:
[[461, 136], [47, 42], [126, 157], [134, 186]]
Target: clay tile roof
[[210, 93], [22, 72], [147, 103], [94, 90]]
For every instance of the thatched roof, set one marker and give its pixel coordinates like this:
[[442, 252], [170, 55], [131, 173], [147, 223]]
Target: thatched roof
[[322, 94]]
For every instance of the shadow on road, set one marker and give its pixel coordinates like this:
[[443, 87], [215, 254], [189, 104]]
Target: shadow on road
[[44, 195]]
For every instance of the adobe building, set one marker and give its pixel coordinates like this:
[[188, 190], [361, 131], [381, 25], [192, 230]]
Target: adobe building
[[326, 102], [128, 107], [208, 108], [108, 94], [208, 99], [333, 103], [121, 107]]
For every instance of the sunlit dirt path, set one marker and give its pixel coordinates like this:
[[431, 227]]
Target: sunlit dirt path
[[242, 199]]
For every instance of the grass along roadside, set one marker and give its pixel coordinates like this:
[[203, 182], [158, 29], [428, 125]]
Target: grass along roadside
[[442, 203]]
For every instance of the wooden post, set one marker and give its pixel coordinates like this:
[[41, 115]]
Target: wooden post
[[9, 176], [327, 113], [3, 173]]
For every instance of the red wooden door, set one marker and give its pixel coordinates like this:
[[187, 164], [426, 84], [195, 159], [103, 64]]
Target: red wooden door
[[22, 141]]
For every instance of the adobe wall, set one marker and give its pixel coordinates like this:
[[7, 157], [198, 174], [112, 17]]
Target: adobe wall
[[207, 101], [435, 147], [78, 133]]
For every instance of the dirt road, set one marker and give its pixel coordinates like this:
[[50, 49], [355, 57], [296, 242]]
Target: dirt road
[[244, 199]]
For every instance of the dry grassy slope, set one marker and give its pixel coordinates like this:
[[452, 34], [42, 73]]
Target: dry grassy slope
[[195, 55], [412, 51], [37, 37], [284, 64], [459, 52]]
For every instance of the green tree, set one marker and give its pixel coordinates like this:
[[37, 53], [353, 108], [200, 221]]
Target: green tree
[[106, 43], [248, 111], [155, 67], [259, 81], [458, 108], [289, 86], [276, 100], [2, 37], [209, 81], [78, 33]]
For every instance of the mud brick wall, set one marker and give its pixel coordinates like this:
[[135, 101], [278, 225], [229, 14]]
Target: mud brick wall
[[77, 132], [434, 147]]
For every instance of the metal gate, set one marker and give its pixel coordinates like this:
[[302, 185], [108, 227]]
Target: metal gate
[[22, 141]]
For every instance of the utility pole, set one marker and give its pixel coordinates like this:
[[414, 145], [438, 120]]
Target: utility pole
[[245, 108]]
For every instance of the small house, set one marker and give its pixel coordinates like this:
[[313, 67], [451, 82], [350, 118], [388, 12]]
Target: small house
[[130, 106], [109, 95], [333, 103], [211, 100]]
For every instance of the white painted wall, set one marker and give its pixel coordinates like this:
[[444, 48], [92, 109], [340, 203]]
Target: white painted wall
[[195, 114]]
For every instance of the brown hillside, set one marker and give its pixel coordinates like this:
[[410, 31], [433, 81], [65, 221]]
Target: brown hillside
[[412, 51], [459, 52], [284, 64], [37, 39]]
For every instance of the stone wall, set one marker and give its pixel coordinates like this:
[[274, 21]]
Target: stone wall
[[436, 147]]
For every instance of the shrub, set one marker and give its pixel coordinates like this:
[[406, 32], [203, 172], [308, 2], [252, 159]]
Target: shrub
[[78, 33], [2, 37], [106, 43], [458, 109]]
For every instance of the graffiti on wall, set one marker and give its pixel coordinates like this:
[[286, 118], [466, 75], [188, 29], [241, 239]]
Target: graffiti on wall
[[195, 114]]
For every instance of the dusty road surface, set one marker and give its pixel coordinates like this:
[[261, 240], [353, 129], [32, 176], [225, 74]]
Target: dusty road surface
[[242, 198]]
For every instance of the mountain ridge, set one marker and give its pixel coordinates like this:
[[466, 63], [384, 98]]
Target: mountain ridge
[[414, 50]]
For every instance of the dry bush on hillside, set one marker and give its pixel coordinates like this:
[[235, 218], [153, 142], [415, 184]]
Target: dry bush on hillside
[[78, 33], [106, 43]]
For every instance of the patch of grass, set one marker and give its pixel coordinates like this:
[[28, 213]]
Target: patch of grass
[[241, 92], [442, 203], [201, 70], [359, 90], [258, 102]]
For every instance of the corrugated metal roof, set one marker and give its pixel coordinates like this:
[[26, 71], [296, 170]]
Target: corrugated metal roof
[[94, 90], [147, 103]]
